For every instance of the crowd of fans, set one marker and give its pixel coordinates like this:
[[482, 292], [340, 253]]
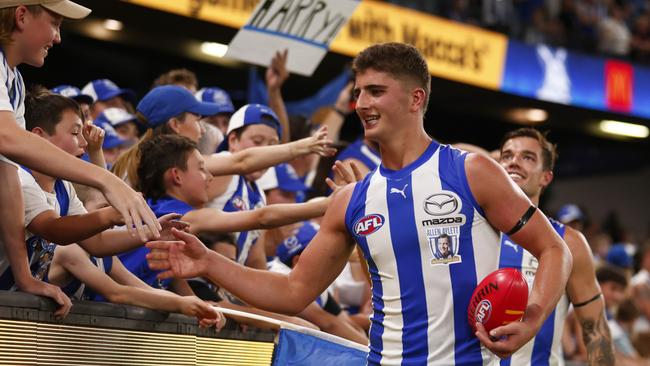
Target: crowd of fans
[[619, 28], [622, 269], [253, 182]]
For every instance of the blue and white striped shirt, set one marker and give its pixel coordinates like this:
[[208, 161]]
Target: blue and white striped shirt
[[428, 244], [545, 348]]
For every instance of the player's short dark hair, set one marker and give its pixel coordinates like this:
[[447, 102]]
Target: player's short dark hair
[[549, 150], [45, 109], [399, 60], [157, 155], [609, 273]]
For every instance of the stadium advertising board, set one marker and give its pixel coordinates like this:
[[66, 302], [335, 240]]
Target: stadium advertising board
[[561, 76], [454, 51]]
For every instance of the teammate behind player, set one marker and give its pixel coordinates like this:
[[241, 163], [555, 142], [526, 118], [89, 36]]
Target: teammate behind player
[[529, 158]]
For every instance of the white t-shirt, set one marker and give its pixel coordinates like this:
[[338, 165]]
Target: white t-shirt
[[38, 201], [11, 83]]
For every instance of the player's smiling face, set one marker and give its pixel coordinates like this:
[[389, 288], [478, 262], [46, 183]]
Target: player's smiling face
[[382, 101], [521, 157]]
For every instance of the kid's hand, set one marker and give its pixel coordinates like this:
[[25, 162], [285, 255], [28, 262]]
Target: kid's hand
[[94, 136], [344, 174], [318, 143], [169, 221], [276, 73]]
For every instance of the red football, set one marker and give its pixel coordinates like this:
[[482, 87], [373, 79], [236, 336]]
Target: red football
[[499, 299]]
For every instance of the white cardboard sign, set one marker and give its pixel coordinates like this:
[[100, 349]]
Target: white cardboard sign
[[304, 27]]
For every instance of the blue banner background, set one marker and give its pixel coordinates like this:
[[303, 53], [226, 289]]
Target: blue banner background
[[296, 348]]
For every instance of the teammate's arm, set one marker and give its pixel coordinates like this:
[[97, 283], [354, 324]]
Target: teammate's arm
[[589, 305], [318, 266], [504, 204]]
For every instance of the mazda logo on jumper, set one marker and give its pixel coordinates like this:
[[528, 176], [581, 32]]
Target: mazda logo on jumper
[[440, 204]]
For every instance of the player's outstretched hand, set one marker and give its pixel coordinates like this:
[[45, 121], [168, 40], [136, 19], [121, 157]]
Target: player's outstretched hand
[[132, 206], [505, 340], [184, 257]]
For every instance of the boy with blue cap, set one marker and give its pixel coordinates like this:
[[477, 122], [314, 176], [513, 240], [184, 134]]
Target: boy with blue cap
[[252, 125], [29, 29]]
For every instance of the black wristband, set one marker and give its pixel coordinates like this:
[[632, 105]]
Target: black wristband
[[588, 301], [523, 220], [340, 112]]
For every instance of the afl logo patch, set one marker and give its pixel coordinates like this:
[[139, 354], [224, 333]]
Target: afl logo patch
[[483, 311], [368, 224]]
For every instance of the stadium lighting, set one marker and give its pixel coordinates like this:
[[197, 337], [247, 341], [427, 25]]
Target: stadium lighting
[[536, 115], [624, 129], [114, 25], [214, 49], [527, 116]]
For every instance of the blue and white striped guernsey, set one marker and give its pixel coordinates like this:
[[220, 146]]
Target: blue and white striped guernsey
[[545, 348], [427, 244], [241, 195]]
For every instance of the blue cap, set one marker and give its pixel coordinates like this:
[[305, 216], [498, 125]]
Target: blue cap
[[114, 117], [281, 176], [251, 114], [218, 96], [570, 212], [104, 89], [111, 138], [296, 243], [618, 256], [167, 101], [73, 92]]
